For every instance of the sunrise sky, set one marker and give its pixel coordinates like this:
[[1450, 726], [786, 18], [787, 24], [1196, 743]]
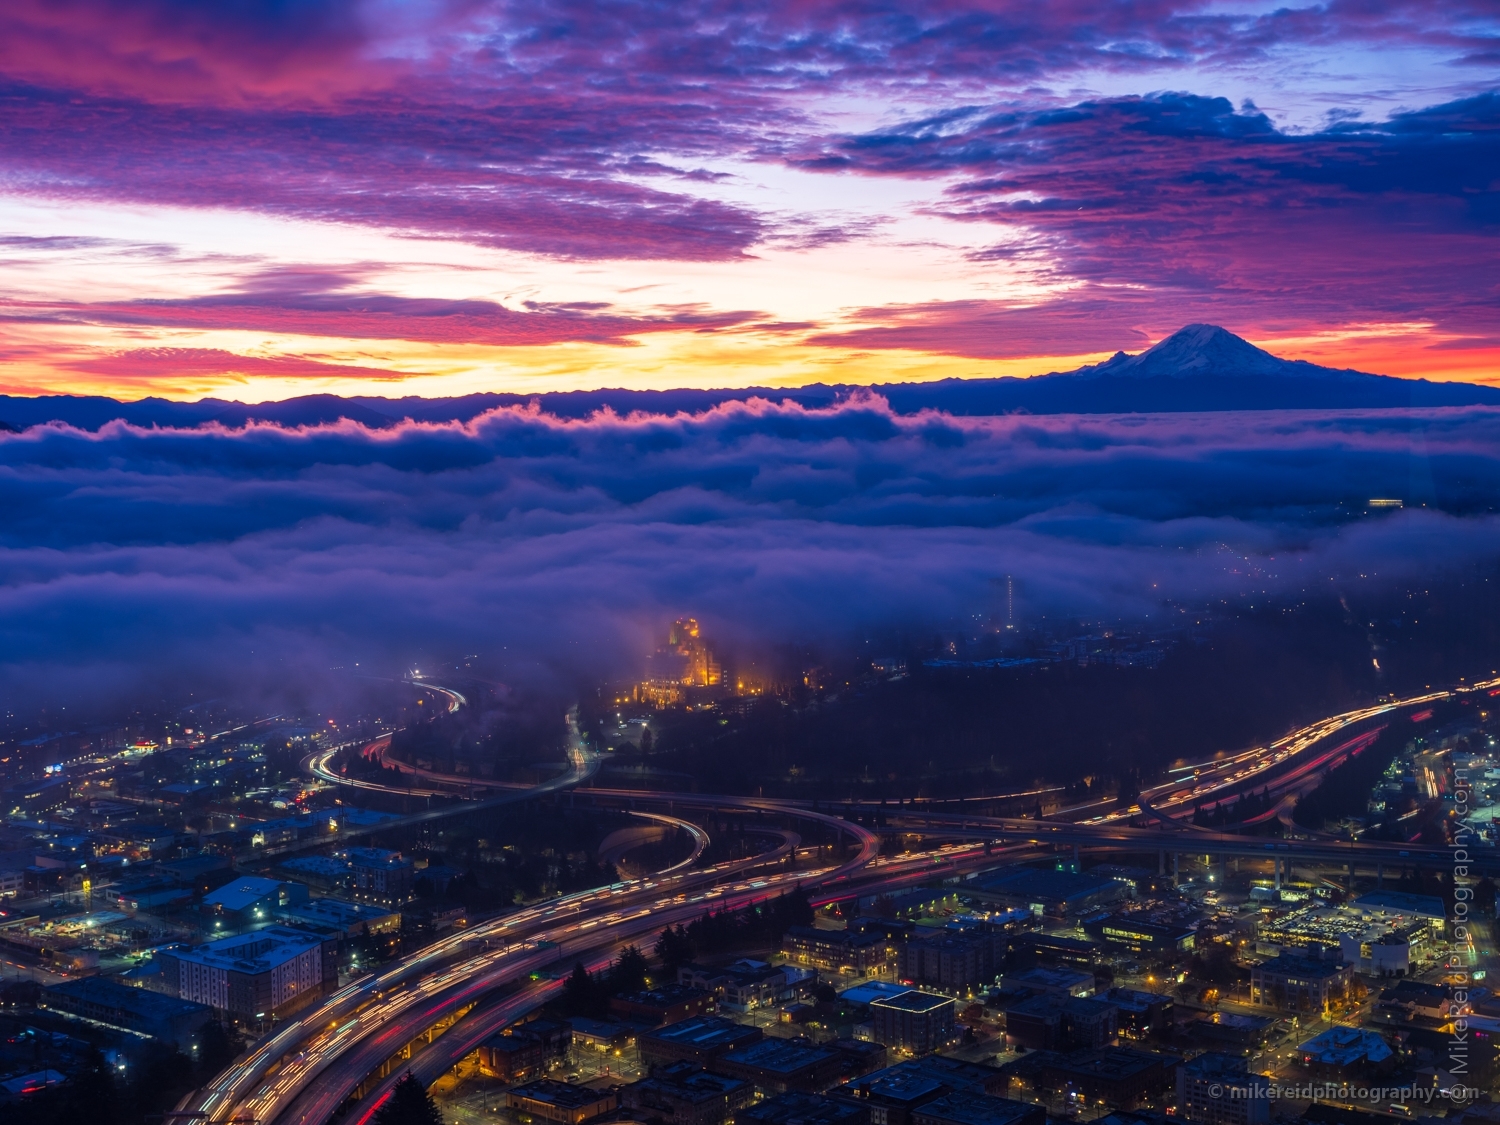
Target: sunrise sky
[[261, 200]]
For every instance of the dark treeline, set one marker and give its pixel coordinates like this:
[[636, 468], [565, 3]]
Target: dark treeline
[[156, 1079], [519, 853], [964, 732], [588, 994], [490, 730], [756, 926], [1246, 807], [1345, 791]]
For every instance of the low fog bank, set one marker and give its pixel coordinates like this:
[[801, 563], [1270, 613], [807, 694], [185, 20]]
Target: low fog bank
[[275, 563]]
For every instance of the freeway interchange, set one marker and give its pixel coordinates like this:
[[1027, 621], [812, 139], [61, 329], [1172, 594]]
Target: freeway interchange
[[433, 1007]]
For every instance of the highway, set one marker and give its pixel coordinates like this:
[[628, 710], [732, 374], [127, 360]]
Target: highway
[[1224, 777], [297, 1099], [296, 1050], [309, 1066]]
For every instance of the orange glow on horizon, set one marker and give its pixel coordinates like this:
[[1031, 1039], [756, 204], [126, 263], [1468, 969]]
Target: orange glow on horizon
[[94, 360]]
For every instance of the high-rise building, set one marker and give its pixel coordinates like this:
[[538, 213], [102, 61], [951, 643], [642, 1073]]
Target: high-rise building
[[684, 663], [702, 669]]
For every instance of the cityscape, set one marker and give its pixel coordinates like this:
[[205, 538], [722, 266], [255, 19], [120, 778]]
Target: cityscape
[[600, 562]]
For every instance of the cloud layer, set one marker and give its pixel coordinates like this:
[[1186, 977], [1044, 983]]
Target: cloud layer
[[559, 548]]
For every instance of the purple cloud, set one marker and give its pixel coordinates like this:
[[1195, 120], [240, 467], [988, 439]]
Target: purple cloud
[[1176, 207], [317, 302]]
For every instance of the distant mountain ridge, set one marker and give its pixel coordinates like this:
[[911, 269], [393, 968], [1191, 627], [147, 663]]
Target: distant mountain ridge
[[1200, 367], [1208, 350]]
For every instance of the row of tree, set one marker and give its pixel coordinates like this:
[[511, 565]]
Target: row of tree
[[758, 925], [155, 1079], [1247, 807], [1345, 790]]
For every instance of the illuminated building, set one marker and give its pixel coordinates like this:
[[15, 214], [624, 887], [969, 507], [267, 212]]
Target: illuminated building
[[270, 972], [685, 664], [686, 640]]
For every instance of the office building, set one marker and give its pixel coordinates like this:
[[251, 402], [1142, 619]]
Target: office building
[[1051, 894], [669, 1004], [1218, 1089], [698, 1040], [914, 1021], [1299, 984], [1121, 1077], [251, 901], [1127, 933], [149, 1013], [513, 1056], [779, 1066], [963, 1108], [835, 951], [260, 975], [383, 875], [685, 1094], [1053, 1022], [560, 1102], [1062, 982], [345, 919], [953, 960], [1140, 1013]]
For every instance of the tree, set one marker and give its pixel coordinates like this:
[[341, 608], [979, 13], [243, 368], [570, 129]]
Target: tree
[[216, 1050], [628, 973], [91, 1094], [581, 995], [674, 949], [409, 1104]]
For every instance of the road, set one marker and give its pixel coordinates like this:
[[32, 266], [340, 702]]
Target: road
[[309, 1066], [297, 1099]]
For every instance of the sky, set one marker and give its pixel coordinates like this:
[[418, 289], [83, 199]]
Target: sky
[[257, 199]]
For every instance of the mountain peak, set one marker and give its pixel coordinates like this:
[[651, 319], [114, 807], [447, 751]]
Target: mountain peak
[[1203, 350]]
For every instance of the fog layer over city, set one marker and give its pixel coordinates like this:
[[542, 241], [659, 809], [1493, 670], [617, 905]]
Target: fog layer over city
[[556, 548]]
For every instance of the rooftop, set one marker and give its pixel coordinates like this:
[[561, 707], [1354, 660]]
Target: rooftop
[[871, 990], [1217, 1062], [689, 1083], [1059, 886], [966, 1108], [1290, 965], [1344, 1046], [136, 1001], [801, 1109], [1395, 902], [336, 911], [258, 952], [913, 1000], [782, 1056], [242, 893], [560, 1094], [705, 1032]]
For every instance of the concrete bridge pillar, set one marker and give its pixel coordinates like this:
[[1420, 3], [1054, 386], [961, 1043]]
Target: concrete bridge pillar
[[1176, 862], [1276, 866], [1161, 861], [1380, 876]]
